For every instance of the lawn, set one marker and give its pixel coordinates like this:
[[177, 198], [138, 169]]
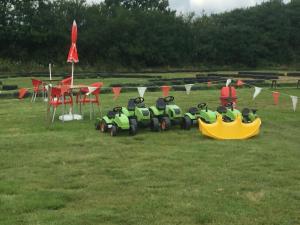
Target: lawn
[[69, 173]]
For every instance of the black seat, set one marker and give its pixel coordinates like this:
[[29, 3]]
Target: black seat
[[254, 111], [160, 104], [131, 104], [221, 109], [193, 110], [111, 114], [245, 112]]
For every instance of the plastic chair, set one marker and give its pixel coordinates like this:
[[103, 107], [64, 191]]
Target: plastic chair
[[38, 86], [58, 96], [84, 97]]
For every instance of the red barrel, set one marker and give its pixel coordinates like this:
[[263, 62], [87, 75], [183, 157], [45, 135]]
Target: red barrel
[[228, 94]]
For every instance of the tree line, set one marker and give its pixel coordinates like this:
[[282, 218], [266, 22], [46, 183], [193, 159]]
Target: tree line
[[148, 34]]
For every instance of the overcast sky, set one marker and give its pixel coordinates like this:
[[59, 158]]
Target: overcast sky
[[211, 5], [208, 6]]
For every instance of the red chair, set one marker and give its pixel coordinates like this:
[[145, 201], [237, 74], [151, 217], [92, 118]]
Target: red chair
[[59, 96], [38, 86], [85, 97]]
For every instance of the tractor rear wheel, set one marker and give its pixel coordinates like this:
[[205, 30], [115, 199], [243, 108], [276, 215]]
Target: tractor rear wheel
[[165, 123], [154, 124]]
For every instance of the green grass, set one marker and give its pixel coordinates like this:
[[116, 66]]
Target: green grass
[[70, 173]]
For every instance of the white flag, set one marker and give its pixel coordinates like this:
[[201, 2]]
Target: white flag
[[294, 101], [256, 92], [91, 90], [188, 88], [142, 91], [228, 82]]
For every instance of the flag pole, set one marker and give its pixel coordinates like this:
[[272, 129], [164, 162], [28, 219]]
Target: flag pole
[[50, 71]]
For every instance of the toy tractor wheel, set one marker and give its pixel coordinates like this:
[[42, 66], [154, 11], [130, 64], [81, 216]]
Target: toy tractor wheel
[[113, 131], [134, 123], [165, 123], [154, 124], [97, 126], [186, 123], [103, 127], [132, 130]]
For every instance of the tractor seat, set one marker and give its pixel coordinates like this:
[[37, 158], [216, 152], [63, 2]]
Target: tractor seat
[[221, 109], [131, 105], [245, 112], [193, 110], [111, 114], [160, 104], [142, 105]]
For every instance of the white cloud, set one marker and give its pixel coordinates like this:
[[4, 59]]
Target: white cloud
[[209, 6]]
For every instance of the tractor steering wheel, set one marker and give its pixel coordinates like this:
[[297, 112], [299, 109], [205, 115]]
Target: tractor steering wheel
[[230, 105], [139, 100], [201, 105], [169, 99], [117, 109]]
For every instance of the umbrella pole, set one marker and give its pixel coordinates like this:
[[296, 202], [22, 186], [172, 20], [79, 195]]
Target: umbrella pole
[[72, 73], [71, 108], [50, 71]]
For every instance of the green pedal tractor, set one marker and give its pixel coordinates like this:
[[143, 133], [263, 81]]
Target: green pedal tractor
[[166, 112], [249, 115], [229, 114], [139, 114], [200, 112], [115, 121]]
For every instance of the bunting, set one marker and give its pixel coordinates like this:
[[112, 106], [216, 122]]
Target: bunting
[[256, 92], [294, 102], [165, 90], [22, 92], [228, 82], [91, 90], [142, 91], [188, 88], [276, 97], [239, 83], [116, 91]]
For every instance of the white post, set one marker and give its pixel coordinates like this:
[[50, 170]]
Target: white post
[[72, 73], [50, 71]]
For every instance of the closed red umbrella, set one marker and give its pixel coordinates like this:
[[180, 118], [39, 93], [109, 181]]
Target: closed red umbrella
[[73, 55]]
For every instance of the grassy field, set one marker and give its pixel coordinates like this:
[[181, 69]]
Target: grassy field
[[70, 173]]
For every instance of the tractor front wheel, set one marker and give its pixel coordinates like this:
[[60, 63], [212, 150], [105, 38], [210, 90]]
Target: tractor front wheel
[[113, 131], [186, 123], [134, 123], [103, 127], [132, 130], [154, 124], [165, 123]]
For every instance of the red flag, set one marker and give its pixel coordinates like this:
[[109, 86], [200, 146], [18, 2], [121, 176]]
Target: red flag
[[208, 83], [22, 92], [276, 97], [116, 91], [239, 83], [165, 90], [73, 55]]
